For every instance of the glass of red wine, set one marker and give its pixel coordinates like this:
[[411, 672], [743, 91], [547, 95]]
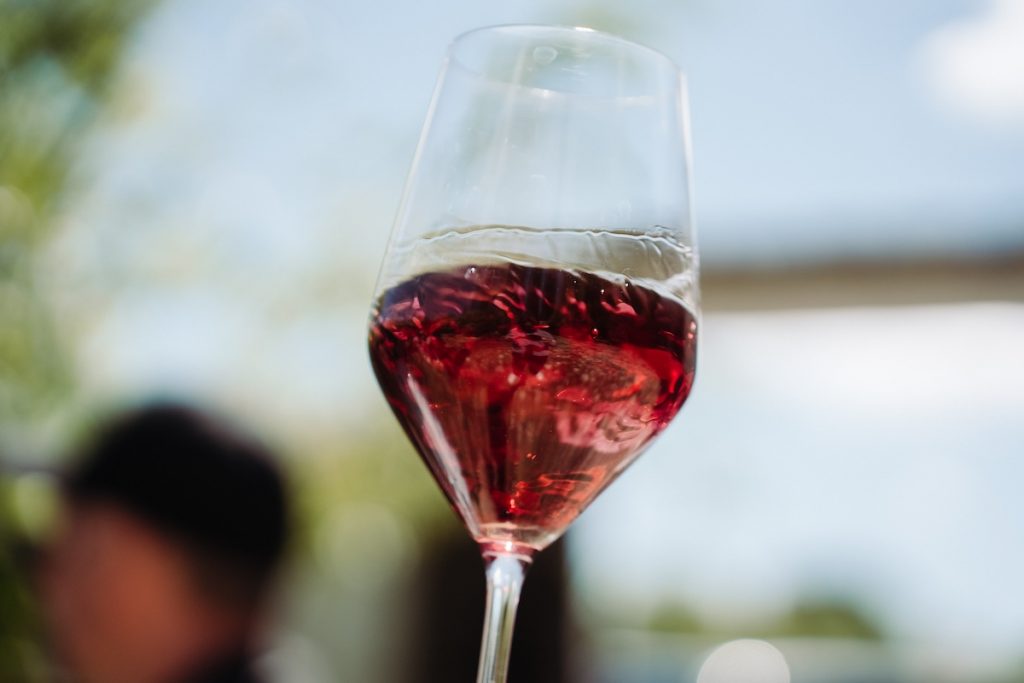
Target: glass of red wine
[[535, 320]]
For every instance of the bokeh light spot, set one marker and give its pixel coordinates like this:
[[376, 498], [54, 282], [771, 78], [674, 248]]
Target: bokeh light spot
[[745, 661]]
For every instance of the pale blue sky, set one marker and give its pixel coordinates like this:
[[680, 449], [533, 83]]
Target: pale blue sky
[[816, 132]]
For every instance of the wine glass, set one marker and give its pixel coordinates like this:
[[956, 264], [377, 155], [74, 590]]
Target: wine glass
[[535, 318]]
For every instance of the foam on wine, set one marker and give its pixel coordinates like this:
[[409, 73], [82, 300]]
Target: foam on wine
[[526, 389]]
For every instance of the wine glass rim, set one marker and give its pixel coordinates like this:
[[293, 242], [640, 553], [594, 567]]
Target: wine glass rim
[[658, 55]]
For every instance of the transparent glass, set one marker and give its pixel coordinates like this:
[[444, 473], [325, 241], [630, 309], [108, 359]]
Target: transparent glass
[[535, 319]]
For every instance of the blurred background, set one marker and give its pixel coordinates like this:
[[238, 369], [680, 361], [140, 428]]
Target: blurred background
[[194, 198]]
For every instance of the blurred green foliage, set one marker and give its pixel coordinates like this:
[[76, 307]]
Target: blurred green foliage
[[832, 618], [20, 658], [58, 59], [675, 618], [810, 617]]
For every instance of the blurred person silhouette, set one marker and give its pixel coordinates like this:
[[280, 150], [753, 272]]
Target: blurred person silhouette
[[172, 530], [448, 613]]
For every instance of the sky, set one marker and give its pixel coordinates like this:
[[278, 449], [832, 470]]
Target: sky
[[230, 211], [820, 131]]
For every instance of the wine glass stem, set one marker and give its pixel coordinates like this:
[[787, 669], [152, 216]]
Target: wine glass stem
[[505, 574]]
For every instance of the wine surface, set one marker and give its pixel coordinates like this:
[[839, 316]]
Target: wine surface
[[527, 390]]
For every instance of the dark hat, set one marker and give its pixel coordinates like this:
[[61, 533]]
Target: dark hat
[[200, 483]]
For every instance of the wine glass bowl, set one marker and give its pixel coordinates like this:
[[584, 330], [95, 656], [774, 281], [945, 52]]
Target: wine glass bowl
[[528, 388], [535, 324]]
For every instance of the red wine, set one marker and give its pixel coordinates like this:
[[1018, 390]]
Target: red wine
[[526, 390]]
